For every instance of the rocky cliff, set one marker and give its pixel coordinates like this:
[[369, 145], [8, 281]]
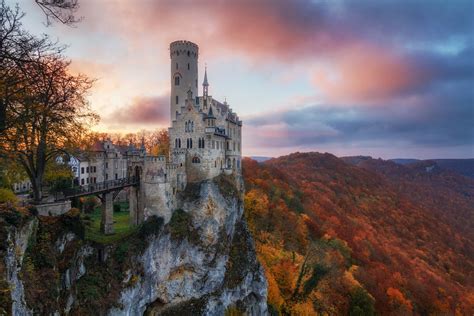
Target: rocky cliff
[[202, 262]]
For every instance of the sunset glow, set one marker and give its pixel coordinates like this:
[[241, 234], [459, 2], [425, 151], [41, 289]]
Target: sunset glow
[[361, 78]]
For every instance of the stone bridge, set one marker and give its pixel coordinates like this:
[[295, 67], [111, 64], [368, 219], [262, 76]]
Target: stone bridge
[[107, 191]]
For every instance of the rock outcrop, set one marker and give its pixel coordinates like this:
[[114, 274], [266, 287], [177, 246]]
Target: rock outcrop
[[202, 262]]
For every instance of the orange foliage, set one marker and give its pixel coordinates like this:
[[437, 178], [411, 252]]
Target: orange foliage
[[407, 231]]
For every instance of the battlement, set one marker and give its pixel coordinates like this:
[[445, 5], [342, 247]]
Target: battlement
[[155, 158], [184, 47], [171, 166]]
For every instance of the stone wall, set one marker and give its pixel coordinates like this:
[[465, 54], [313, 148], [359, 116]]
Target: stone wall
[[54, 209]]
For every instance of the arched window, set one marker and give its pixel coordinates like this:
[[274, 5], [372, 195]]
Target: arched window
[[203, 143], [190, 143], [187, 143], [176, 81], [189, 53], [196, 160], [179, 142]]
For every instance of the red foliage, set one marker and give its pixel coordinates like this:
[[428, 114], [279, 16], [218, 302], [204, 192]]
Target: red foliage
[[409, 230]]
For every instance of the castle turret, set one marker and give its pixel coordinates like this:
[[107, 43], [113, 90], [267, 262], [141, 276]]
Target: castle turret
[[184, 73]]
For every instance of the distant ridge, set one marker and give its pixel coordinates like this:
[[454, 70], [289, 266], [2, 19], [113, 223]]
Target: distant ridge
[[260, 158], [461, 166]]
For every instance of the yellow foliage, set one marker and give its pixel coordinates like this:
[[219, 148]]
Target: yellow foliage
[[303, 309], [7, 195], [274, 295]]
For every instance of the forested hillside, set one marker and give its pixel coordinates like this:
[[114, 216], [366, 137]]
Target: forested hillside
[[362, 236]]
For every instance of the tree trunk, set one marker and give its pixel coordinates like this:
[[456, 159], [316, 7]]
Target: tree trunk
[[37, 188]]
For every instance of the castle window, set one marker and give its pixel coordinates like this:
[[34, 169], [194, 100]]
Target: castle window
[[179, 142], [176, 99], [189, 53], [186, 126], [176, 81], [176, 66], [188, 66], [190, 143], [196, 160]]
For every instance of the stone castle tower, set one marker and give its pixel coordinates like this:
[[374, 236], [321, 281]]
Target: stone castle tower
[[184, 73], [205, 137]]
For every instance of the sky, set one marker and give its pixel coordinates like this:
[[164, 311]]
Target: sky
[[388, 79]]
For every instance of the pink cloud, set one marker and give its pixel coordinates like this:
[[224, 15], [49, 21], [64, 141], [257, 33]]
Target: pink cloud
[[364, 73], [143, 110]]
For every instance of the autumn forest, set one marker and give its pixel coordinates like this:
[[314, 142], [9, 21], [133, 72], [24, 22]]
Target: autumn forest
[[361, 236]]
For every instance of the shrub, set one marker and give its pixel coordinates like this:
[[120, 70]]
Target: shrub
[[227, 185], [89, 204], [362, 304], [181, 226], [319, 271], [151, 227], [7, 195]]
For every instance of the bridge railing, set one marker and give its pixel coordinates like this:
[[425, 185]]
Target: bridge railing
[[99, 187]]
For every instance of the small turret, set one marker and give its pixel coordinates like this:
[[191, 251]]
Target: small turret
[[210, 118]]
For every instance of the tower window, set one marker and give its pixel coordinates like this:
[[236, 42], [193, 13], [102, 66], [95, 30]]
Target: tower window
[[188, 66], [177, 99], [176, 66], [189, 53], [176, 81]]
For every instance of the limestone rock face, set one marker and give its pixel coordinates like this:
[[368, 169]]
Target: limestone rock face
[[212, 268], [201, 262]]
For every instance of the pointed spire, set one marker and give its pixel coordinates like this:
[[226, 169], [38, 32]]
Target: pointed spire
[[205, 83]]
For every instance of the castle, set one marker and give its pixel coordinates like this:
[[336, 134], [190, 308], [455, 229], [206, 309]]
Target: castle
[[205, 139]]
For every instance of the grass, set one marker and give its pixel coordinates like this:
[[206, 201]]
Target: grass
[[122, 227]]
